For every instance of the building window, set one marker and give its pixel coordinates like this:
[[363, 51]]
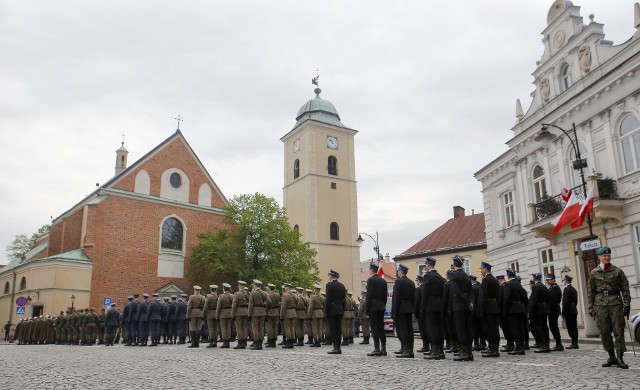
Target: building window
[[539, 184], [333, 165], [466, 266], [565, 76], [422, 268], [547, 261], [172, 234], [334, 231], [175, 179], [23, 283], [509, 209], [630, 140], [333, 186], [515, 267], [6, 288], [296, 169]]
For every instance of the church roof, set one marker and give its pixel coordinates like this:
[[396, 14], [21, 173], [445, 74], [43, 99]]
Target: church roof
[[466, 232], [76, 255], [319, 110]]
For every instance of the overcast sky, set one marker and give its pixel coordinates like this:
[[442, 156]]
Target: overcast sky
[[430, 86]]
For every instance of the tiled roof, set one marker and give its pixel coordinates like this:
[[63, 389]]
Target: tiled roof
[[456, 234]]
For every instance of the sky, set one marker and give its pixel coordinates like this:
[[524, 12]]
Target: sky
[[430, 86]]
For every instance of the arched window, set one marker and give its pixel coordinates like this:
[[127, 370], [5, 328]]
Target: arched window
[[332, 165], [630, 140], [334, 231], [6, 288], [23, 283], [565, 76], [539, 184], [172, 234], [296, 169]]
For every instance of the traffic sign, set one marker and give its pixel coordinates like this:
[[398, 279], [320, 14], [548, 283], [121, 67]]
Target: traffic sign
[[590, 244], [21, 301], [21, 310], [107, 301]]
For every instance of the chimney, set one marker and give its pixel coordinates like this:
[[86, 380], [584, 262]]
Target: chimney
[[458, 211]]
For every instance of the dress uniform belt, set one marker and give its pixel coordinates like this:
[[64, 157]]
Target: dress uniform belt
[[244, 305], [348, 309], [263, 305], [608, 292]]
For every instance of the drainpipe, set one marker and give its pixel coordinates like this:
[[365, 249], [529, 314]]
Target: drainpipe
[[13, 295]]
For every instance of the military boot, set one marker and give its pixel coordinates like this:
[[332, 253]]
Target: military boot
[[365, 340], [345, 341], [463, 356], [612, 361], [476, 345], [193, 340], [376, 349], [507, 347], [225, 344], [336, 349], [544, 348], [309, 340], [300, 342], [407, 353], [621, 363], [383, 347], [574, 344], [558, 347], [518, 350], [212, 344]]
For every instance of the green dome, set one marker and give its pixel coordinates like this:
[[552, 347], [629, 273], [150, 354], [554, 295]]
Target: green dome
[[319, 110]]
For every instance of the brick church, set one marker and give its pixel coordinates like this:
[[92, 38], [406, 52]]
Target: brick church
[[132, 234]]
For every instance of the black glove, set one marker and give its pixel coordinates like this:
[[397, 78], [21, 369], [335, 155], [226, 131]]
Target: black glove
[[591, 312], [626, 311]]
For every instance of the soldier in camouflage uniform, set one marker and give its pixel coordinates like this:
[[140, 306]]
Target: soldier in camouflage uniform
[[609, 301], [101, 329], [59, 326]]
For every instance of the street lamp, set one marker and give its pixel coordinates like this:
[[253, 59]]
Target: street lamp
[[376, 248], [544, 135], [73, 299]]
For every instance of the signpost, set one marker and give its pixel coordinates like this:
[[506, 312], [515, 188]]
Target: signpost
[[21, 310], [107, 302], [21, 301]]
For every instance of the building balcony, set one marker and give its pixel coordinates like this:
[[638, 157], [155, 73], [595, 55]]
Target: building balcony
[[607, 206]]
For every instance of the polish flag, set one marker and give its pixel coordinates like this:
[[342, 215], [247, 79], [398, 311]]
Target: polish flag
[[568, 215], [564, 192], [587, 207], [380, 270]]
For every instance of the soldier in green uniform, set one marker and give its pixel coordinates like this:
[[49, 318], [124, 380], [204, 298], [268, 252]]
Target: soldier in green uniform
[[59, 326], [239, 312], [301, 314], [100, 325], [257, 312], [316, 314], [609, 302], [364, 318], [288, 316], [224, 315], [91, 327], [210, 306], [273, 314], [348, 319], [195, 305]]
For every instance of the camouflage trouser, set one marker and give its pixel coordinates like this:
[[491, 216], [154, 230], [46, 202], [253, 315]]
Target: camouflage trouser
[[610, 319]]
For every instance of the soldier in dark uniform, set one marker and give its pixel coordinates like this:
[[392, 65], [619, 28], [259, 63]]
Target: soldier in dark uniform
[[143, 324], [447, 317], [431, 308], [288, 316], [172, 324], [182, 323], [417, 312], [154, 317], [59, 321], [273, 314], [135, 305], [515, 304], [224, 314], [375, 305], [334, 309], [126, 319], [210, 306], [555, 297], [570, 310], [111, 322], [509, 346], [462, 297], [489, 310], [257, 311], [194, 315], [404, 295], [479, 340], [239, 311], [609, 301], [538, 313], [164, 322], [364, 317]]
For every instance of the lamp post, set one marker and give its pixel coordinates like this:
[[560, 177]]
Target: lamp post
[[579, 164], [376, 247], [73, 300]]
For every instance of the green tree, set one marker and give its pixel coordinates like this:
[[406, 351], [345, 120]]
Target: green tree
[[23, 243], [259, 245]]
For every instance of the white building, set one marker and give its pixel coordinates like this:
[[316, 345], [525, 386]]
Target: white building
[[585, 80]]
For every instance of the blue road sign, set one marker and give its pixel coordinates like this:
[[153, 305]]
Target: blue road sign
[[21, 310], [107, 301], [21, 301]]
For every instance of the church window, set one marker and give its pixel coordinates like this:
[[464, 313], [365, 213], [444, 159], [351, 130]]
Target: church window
[[333, 165], [172, 234], [333, 186], [334, 231], [296, 169], [6, 288], [23, 283], [565, 76], [175, 179], [630, 142], [539, 184]]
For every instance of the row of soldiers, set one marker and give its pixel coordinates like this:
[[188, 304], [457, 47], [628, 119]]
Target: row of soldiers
[[79, 327]]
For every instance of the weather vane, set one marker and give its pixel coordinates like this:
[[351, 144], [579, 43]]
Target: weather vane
[[314, 80], [179, 120], [123, 135]]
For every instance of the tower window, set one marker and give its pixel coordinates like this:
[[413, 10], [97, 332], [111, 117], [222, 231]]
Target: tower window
[[172, 234], [6, 288], [23, 283], [296, 169], [334, 231], [333, 185], [332, 165]]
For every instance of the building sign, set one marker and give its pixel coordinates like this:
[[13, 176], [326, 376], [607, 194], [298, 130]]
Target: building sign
[[590, 244]]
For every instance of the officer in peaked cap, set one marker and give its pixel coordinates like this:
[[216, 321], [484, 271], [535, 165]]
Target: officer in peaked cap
[[239, 309], [555, 297], [375, 304], [273, 315], [431, 306], [181, 319], [461, 304], [570, 310], [539, 312], [315, 314], [489, 309], [210, 307], [172, 326], [224, 314], [334, 309], [154, 318], [195, 306], [133, 315], [143, 324], [288, 316], [402, 304], [257, 311], [126, 319]]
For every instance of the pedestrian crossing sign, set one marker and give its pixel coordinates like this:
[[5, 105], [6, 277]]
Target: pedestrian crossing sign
[[21, 310]]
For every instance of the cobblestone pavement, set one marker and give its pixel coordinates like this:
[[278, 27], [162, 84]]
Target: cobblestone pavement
[[177, 367]]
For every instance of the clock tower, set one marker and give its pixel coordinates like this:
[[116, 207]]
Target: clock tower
[[320, 195]]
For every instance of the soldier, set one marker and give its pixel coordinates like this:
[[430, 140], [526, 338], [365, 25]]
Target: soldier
[[273, 314], [182, 323], [515, 303], [334, 309], [509, 346], [143, 323], [570, 310], [126, 318], [364, 317], [555, 297], [257, 311], [172, 324], [154, 317], [288, 316], [82, 327], [164, 322], [301, 315], [101, 330], [479, 341], [111, 322], [210, 306], [194, 315], [59, 328], [348, 318], [375, 305], [307, 321], [326, 338], [417, 313], [489, 310], [92, 326], [315, 315], [449, 327], [224, 314], [239, 312], [402, 303], [431, 308], [133, 315], [462, 298], [609, 302], [538, 313]]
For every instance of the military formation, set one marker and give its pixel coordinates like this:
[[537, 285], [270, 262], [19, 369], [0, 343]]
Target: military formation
[[456, 314]]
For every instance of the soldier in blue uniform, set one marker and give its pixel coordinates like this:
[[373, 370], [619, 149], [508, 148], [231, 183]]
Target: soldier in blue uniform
[[431, 307], [404, 295], [514, 308], [570, 310], [555, 297], [489, 310], [375, 304], [181, 319], [111, 322], [154, 317], [135, 305], [417, 313], [172, 327], [126, 319], [143, 324], [462, 297], [164, 323], [538, 313]]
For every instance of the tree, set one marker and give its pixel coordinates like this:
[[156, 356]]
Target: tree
[[259, 245], [23, 244]]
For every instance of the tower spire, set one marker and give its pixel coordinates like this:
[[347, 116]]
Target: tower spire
[[315, 82], [121, 157]]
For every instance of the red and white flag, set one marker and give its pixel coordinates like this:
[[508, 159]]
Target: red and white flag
[[568, 215], [380, 270], [564, 192], [587, 207]]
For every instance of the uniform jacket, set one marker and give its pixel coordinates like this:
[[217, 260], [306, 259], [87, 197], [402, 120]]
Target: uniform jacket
[[432, 291], [361, 309], [377, 293], [288, 306], [349, 308], [273, 304], [181, 311], [210, 306], [404, 295], [126, 312], [605, 287], [515, 298], [417, 302], [172, 311], [301, 307], [336, 294], [555, 297], [539, 300], [225, 301], [133, 315], [240, 305], [154, 312], [569, 301], [165, 311], [112, 318], [489, 296], [195, 306], [258, 303], [461, 293], [143, 307]]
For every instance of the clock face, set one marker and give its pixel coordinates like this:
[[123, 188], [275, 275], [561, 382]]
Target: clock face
[[332, 142], [296, 146]]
